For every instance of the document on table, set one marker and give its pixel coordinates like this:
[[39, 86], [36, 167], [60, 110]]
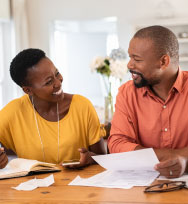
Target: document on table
[[35, 183], [124, 170], [184, 177]]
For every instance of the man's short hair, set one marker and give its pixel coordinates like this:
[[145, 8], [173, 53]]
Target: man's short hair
[[23, 61], [165, 41]]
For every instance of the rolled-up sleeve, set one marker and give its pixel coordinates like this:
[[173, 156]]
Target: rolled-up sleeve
[[123, 136]]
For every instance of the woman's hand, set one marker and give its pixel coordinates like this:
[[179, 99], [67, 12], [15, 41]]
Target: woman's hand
[[3, 158], [85, 157], [95, 149]]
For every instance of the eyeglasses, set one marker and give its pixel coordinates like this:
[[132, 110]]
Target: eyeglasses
[[166, 187]]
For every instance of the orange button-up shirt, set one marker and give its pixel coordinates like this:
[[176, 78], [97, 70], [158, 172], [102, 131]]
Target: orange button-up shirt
[[142, 118]]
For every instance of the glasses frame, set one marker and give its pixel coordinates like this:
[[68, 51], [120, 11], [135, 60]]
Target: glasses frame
[[179, 185]]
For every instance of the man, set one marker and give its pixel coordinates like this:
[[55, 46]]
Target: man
[[3, 158], [151, 111]]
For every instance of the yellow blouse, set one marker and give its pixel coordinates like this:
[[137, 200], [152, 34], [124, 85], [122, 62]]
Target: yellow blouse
[[18, 130]]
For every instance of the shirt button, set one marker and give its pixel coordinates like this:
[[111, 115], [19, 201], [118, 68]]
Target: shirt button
[[165, 129], [164, 106]]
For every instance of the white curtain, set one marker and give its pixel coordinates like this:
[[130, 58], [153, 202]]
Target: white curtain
[[19, 16], [20, 27]]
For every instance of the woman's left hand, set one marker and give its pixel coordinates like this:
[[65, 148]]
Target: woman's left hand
[[85, 157]]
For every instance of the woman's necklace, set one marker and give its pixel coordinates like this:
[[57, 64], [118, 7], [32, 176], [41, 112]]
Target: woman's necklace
[[39, 131]]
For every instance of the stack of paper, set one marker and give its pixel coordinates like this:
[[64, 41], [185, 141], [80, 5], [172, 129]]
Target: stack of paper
[[124, 170]]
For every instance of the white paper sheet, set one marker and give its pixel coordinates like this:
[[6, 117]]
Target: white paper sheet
[[184, 177], [124, 170], [35, 183], [144, 159], [117, 179]]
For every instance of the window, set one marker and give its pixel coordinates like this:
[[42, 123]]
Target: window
[[58, 53], [112, 43], [8, 90], [73, 46], [1, 66]]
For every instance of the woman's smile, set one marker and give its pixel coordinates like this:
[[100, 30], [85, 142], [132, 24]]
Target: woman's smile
[[58, 92]]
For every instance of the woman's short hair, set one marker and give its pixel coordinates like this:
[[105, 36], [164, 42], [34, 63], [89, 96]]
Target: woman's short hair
[[23, 61]]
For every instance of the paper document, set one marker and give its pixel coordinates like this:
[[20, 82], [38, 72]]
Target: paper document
[[124, 170], [117, 179], [35, 183], [184, 177], [144, 159]]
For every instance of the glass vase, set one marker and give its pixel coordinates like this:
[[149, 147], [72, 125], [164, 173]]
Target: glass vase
[[108, 109]]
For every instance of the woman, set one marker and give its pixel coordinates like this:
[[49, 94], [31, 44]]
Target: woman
[[47, 124]]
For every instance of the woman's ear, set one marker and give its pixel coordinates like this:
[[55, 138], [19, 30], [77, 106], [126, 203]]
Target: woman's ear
[[27, 90], [164, 61]]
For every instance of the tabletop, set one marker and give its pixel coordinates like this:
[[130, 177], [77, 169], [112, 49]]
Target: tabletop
[[60, 192]]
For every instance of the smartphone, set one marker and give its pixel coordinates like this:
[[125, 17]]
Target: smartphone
[[71, 162]]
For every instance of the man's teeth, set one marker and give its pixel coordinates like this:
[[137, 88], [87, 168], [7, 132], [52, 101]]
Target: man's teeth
[[58, 92]]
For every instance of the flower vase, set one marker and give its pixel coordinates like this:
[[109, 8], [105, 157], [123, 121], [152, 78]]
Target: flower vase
[[108, 109]]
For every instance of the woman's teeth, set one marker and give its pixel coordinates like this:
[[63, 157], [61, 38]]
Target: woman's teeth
[[58, 92]]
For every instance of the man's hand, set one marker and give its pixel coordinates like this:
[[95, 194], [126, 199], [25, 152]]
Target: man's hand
[[3, 158], [173, 167], [173, 162]]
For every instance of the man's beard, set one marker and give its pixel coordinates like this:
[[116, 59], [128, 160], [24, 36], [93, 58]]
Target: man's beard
[[143, 82]]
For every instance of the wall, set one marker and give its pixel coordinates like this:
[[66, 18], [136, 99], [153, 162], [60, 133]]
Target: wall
[[42, 12], [4, 10]]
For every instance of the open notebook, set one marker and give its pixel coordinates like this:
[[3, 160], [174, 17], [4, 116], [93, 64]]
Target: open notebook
[[22, 167]]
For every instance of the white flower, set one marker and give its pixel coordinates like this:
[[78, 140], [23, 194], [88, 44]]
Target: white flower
[[118, 54], [118, 68], [96, 63]]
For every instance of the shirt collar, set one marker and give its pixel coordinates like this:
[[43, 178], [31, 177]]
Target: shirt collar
[[178, 85]]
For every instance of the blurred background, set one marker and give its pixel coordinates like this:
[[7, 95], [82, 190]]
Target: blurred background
[[73, 32]]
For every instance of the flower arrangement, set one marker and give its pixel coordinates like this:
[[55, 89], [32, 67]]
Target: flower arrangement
[[113, 66]]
